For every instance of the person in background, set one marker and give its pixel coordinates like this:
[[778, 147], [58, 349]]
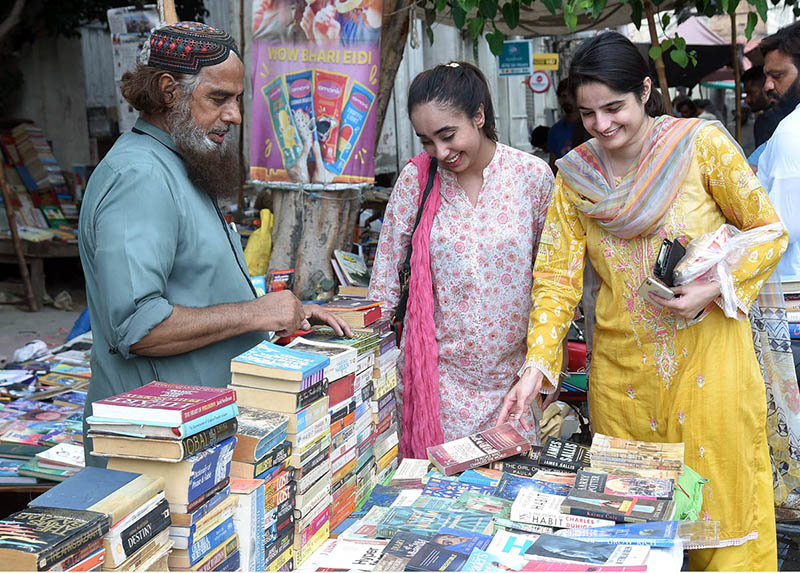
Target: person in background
[[168, 290], [538, 139], [473, 252], [704, 109], [643, 178], [567, 132], [779, 165], [755, 97], [686, 107]]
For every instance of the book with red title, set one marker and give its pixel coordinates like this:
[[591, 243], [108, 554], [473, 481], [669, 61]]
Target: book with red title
[[478, 449], [161, 402]]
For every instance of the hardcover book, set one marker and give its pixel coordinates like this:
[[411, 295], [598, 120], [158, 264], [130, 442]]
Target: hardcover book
[[36, 538], [163, 402], [273, 361], [258, 432], [173, 450], [478, 449], [111, 492], [625, 485], [187, 480], [617, 508], [564, 455], [149, 429]]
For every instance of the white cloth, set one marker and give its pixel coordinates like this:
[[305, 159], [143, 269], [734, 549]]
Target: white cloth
[[779, 173]]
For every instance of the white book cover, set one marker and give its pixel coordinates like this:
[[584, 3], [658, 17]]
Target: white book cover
[[70, 455], [513, 544], [355, 554], [532, 506]]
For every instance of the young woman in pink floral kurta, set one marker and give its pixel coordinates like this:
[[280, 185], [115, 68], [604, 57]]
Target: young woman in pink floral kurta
[[481, 261]]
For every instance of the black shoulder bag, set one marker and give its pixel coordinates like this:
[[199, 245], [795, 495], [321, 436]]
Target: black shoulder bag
[[405, 269]]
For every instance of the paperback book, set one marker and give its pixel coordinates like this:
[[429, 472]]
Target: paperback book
[[617, 508], [478, 449]]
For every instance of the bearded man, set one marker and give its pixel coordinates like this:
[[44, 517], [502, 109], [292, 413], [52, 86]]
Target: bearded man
[[169, 294], [779, 165]]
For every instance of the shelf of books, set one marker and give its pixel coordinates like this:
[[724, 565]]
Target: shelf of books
[[294, 465]]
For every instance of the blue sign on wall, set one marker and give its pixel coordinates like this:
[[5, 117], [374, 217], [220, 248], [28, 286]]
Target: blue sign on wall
[[516, 59]]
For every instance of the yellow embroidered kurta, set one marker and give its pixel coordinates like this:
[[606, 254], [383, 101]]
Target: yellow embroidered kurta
[[651, 380]]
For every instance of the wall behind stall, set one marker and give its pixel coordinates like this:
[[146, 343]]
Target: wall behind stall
[[54, 97]]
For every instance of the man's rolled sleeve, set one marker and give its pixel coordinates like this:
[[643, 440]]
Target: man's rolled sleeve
[[136, 230]]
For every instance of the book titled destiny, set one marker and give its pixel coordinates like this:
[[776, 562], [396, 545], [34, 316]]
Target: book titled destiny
[[160, 402], [478, 449]]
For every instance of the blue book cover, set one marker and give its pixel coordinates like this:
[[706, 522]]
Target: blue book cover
[[434, 557], [460, 540], [209, 467], [511, 484], [451, 488], [268, 355], [652, 533], [207, 508], [203, 546], [382, 496], [86, 488], [189, 428], [794, 330], [9, 468], [481, 476]]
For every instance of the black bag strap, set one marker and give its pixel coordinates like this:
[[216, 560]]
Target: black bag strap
[[405, 269]]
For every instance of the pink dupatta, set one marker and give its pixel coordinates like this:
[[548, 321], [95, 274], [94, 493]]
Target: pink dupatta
[[422, 425]]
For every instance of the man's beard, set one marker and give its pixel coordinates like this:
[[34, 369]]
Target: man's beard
[[789, 100], [212, 167]]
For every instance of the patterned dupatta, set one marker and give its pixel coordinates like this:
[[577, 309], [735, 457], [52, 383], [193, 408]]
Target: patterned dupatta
[[636, 205]]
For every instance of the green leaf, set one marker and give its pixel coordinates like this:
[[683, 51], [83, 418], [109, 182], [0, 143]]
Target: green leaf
[[679, 42], [665, 44], [796, 11], [488, 8], [440, 5], [429, 32], [430, 16], [655, 52], [665, 20], [761, 7], [752, 20], [459, 15], [597, 8], [467, 5], [570, 17], [511, 14], [475, 26], [680, 57], [636, 13], [495, 40], [693, 57], [552, 6], [732, 6]]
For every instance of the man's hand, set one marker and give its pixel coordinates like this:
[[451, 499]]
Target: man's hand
[[280, 311], [315, 314], [519, 398], [692, 299]]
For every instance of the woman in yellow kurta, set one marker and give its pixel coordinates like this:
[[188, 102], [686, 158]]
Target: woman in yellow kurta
[[655, 375]]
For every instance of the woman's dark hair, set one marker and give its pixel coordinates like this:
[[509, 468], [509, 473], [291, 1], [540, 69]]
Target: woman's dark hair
[[458, 85], [611, 59]]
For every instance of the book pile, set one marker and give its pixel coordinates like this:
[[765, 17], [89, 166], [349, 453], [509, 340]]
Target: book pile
[[292, 384], [352, 273], [791, 291], [54, 539], [342, 406], [37, 155], [356, 311], [383, 404], [187, 435], [136, 509], [466, 516]]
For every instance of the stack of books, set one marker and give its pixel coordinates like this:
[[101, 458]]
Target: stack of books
[[383, 404], [340, 374], [355, 311], [136, 508], [50, 538], [187, 435], [37, 155], [791, 291], [352, 273], [292, 383]]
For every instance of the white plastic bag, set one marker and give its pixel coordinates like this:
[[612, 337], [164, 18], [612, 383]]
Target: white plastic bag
[[715, 256]]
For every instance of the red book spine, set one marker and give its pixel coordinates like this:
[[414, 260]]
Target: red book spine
[[372, 315]]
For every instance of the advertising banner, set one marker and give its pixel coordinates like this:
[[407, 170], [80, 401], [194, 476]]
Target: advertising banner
[[315, 81]]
